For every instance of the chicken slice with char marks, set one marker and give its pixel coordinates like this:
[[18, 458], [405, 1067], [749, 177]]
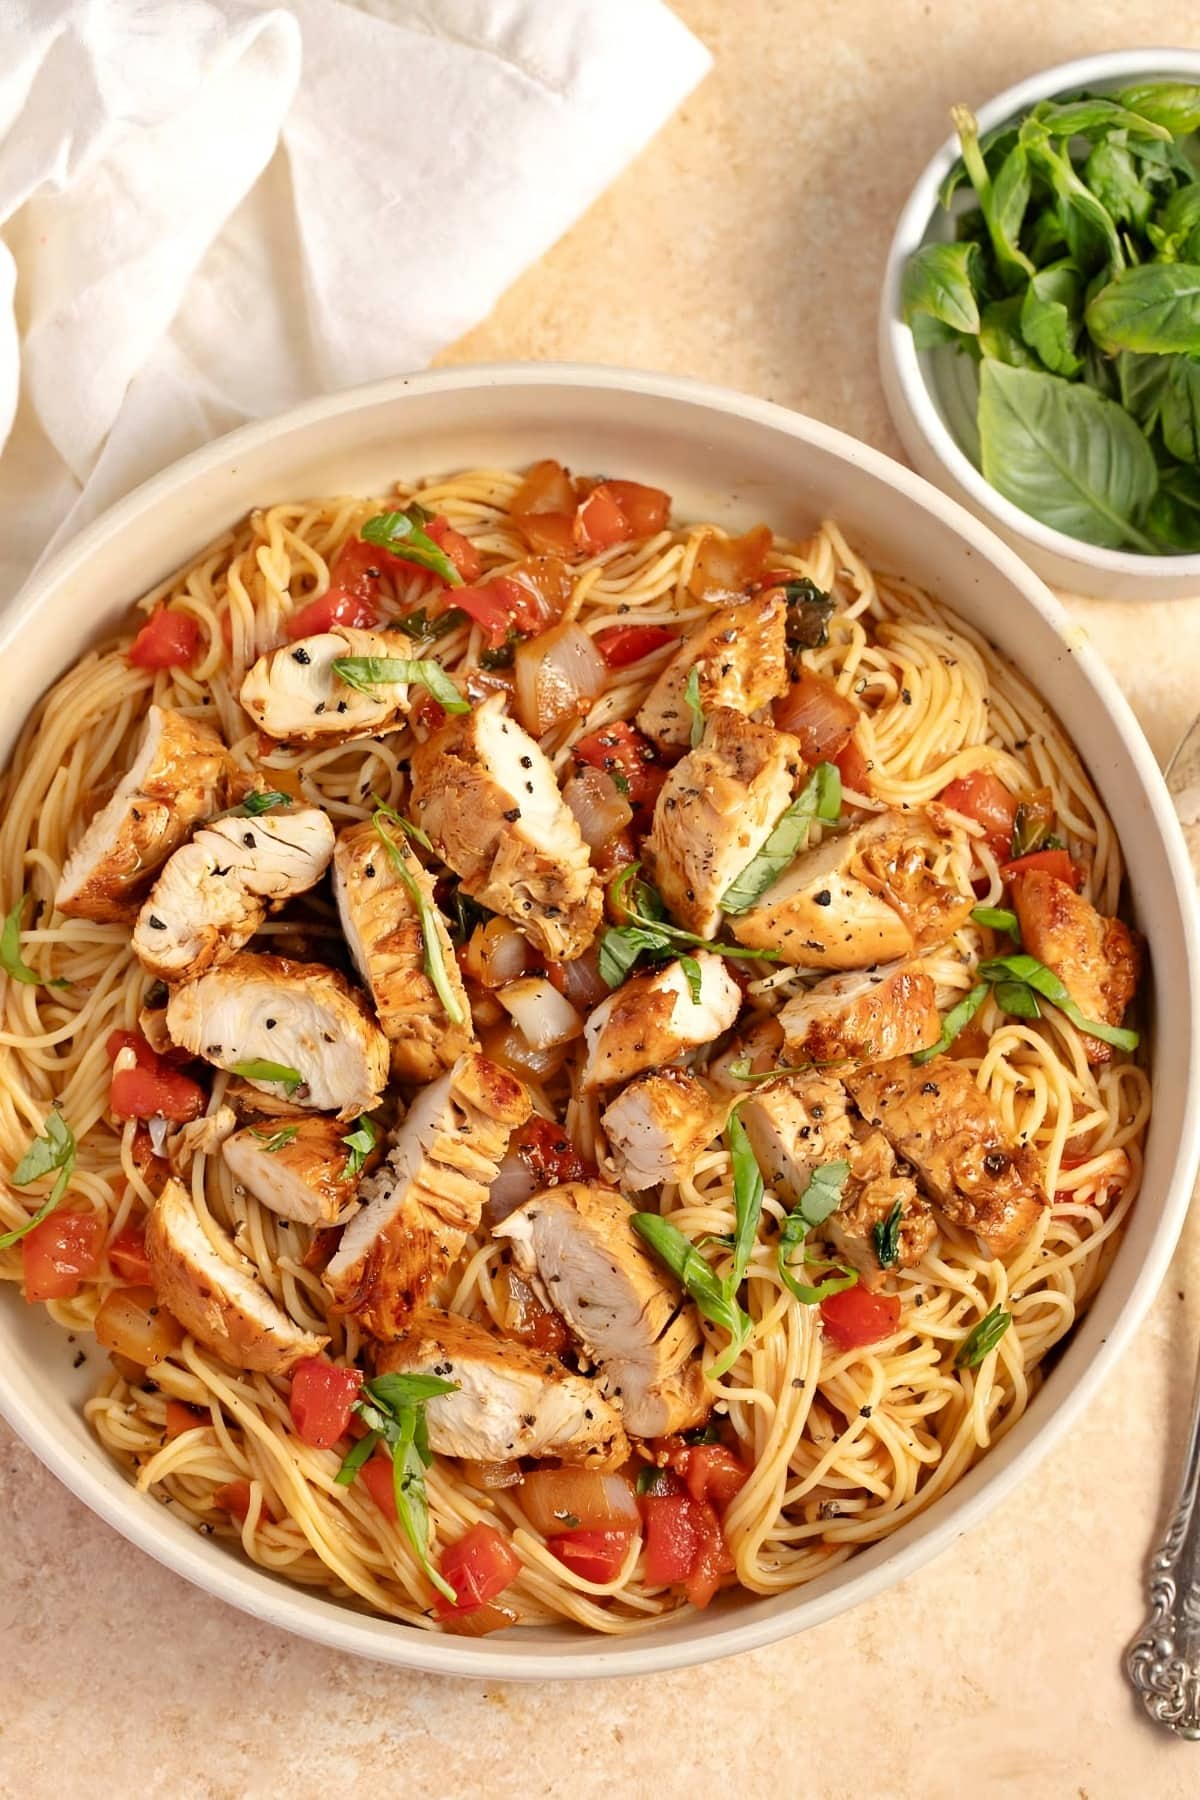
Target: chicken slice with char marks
[[577, 1247], [486, 795], [510, 1401], [657, 1127], [299, 1016], [178, 777], [297, 1168], [652, 1019], [382, 925], [864, 1015], [1098, 960], [293, 693], [715, 811], [739, 654], [938, 1119], [425, 1199], [216, 890], [221, 1302]]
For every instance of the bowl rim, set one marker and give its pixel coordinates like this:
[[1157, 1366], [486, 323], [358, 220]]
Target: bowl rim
[[877, 1567], [896, 339]]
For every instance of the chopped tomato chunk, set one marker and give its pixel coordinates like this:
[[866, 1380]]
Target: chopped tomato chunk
[[181, 1418], [648, 509], [546, 1149], [621, 645], [58, 1254], [983, 797], [376, 1476], [853, 768], [322, 1400], [167, 640], [711, 1561], [600, 522], [459, 549], [711, 1472], [352, 597], [592, 1555], [685, 1545], [127, 1254], [857, 1317], [478, 1567], [1052, 862], [622, 752], [153, 1086], [234, 1497]]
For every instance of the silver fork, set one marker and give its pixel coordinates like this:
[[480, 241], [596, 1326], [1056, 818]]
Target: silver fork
[[1163, 1662]]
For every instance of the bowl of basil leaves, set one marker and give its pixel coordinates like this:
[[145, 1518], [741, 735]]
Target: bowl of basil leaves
[[1040, 323]]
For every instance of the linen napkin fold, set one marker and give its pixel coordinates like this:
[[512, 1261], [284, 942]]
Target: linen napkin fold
[[210, 209]]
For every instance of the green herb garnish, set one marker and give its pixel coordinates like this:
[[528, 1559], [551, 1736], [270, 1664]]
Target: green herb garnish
[[431, 937], [982, 1338], [359, 1144], [820, 798], [366, 673], [273, 1141], [747, 1199], [956, 1020], [394, 1408], [710, 1294], [259, 1070], [54, 1150], [11, 959], [885, 1235], [821, 1197], [649, 932], [418, 624], [997, 918], [691, 694], [1008, 974], [402, 535]]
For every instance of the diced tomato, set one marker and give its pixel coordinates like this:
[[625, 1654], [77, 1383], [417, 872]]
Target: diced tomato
[[478, 1567], [671, 1537], [234, 1498], [58, 1254], [332, 608], [153, 1086], [1052, 862], [600, 522], [648, 509], [166, 641], [853, 768], [592, 1555], [534, 1324], [711, 1561], [181, 1418], [621, 645], [549, 1152], [552, 534], [856, 1317], [322, 1399], [376, 1476], [352, 597], [459, 549], [127, 1254], [983, 797], [501, 605], [622, 752], [427, 712], [543, 509], [711, 1472]]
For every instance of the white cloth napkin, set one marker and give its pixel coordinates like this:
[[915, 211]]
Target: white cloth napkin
[[210, 209]]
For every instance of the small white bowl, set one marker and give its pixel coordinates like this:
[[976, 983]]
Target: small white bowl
[[925, 391], [735, 460]]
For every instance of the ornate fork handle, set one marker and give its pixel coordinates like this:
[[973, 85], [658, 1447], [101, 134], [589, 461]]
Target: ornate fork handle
[[1163, 1662]]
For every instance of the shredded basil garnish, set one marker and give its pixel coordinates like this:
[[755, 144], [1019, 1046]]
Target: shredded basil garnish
[[820, 798], [401, 533], [956, 1020], [359, 1144], [366, 673], [822, 1196], [650, 932], [885, 1235], [982, 1338], [394, 1408], [54, 1150], [259, 1070], [398, 854], [711, 1295], [1020, 971], [691, 694], [11, 959], [273, 1141]]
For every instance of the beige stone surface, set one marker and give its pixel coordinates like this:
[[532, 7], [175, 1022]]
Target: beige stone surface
[[745, 247]]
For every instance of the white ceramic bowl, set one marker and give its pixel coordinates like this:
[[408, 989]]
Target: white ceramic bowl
[[928, 392], [735, 460]]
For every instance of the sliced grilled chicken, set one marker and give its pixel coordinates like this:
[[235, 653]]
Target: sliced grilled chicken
[[1097, 959], [864, 1222], [221, 1302], [577, 1247], [216, 890], [653, 1019], [715, 811], [300, 1017], [382, 925], [657, 1127], [298, 1168], [860, 897], [486, 794], [200, 1137], [754, 1049], [178, 777], [294, 695], [937, 1119], [426, 1198], [866, 1015], [510, 1401], [740, 656]]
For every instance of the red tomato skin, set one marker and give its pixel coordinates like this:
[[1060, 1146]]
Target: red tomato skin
[[58, 1254], [1052, 862], [983, 797], [648, 509], [478, 1567], [592, 1555], [599, 521], [853, 768], [153, 1086], [376, 1476], [857, 1317], [621, 751], [127, 1254], [181, 1418], [499, 606], [459, 549], [322, 1396], [672, 1538], [549, 533], [549, 1152], [167, 640], [621, 645], [712, 1473], [712, 1559], [234, 1497], [352, 597]]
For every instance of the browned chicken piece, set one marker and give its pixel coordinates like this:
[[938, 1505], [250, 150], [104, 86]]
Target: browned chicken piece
[[577, 1247], [295, 694], [715, 811], [178, 777], [864, 1015], [936, 1118], [486, 794], [740, 656], [657, 1127], [1098, 960], [425, 1199], [382, 925], [509, 1400], [219, 1298], [756, 1048], [653, 1018], [298, 1168], [861, 897], [867, 1208], [199, 1137]]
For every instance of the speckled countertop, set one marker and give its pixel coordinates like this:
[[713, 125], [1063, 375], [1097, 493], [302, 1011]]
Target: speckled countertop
[[745, 247]]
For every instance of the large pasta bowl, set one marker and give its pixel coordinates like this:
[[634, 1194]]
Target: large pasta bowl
[[733, 459]]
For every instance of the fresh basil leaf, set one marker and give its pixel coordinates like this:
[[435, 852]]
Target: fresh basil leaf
[[1052, 316], [955, 1021], [1115, 178], [1180, 413], [397, 853], [691, 694], [809, 610], [809, 1293], [1173, 105], [621, 945], [1094, 113], [400, 1389], [1092, 237], [997, 918], [257, 803], [685, 1262], [358, 1145], [11, 960], [1154, 309], [820, 798], [1065, 455], [419, 625], [1022, 967], [54, 1150], [1141, 380], [654, 1481], [357, 1455], [393, 1406], [1016, 999], [366, 673], [1173, 520], [1003, 200], [982, 1338], [747, 1200], [273, 1141], [1175, 231], [693, 977], [259, 1070], [823, 1194], [885, 1236], [649, 930], [994, 146], [937, 283], [1000, 334], [401, 534]]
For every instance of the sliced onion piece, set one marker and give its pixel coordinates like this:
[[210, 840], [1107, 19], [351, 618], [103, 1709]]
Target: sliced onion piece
[[509, 1047], [600, 809], [818, 715], [725, 567], [495, 953], [581, 981], [515, 1183], [498, 1475], [559, 674], [555, 1500], [481, 1621], [543, 1016]]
